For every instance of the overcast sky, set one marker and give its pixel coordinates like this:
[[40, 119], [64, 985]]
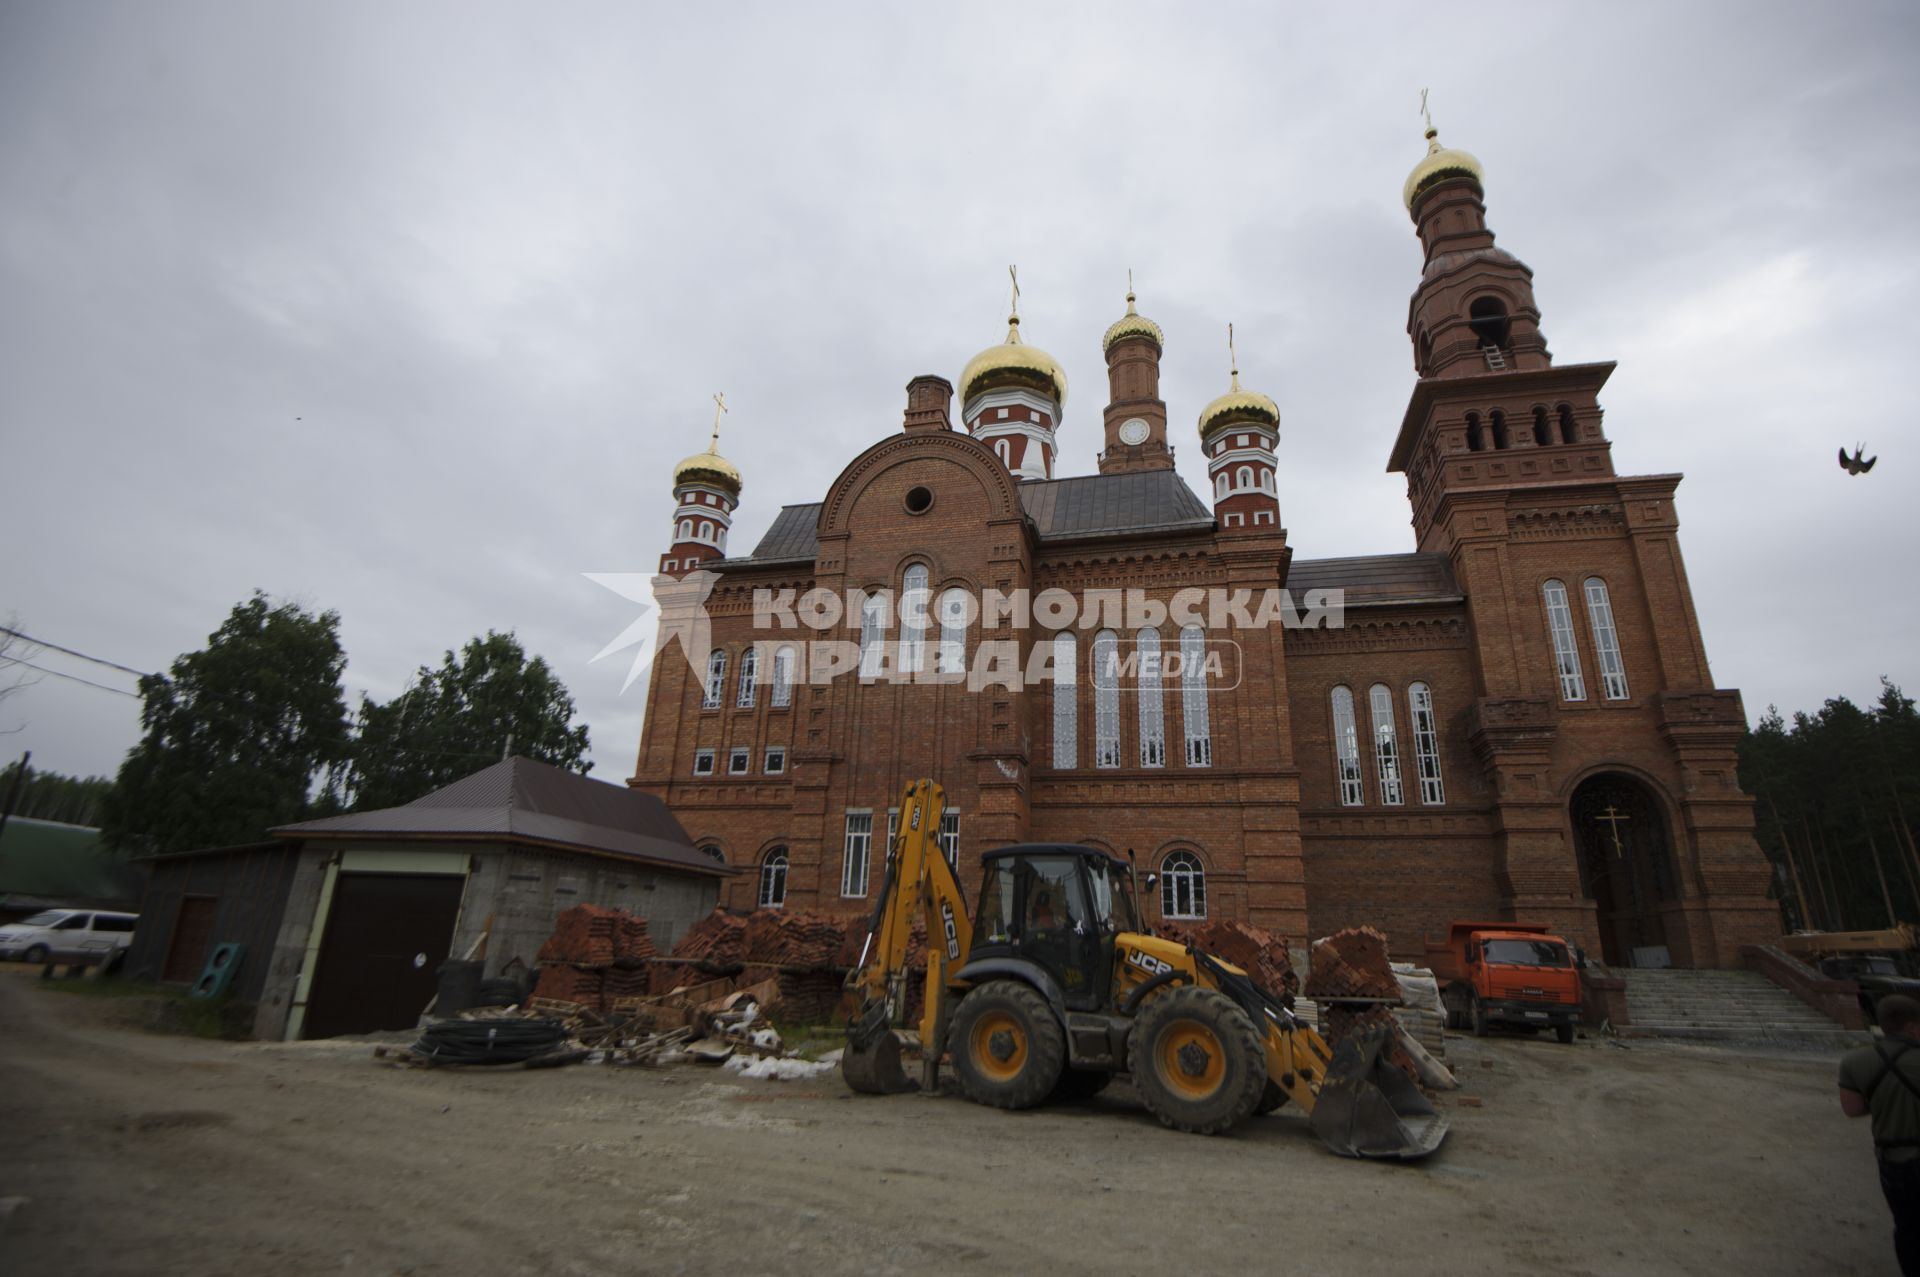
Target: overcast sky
[[407, 310]]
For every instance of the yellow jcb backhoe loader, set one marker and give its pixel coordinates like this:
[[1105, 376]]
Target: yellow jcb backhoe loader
[[1053, 986]]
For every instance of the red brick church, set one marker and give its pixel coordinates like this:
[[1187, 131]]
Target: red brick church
[[1514, 719]]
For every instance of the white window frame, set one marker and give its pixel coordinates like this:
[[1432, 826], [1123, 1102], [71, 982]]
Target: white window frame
[[1153, 710], [1003, 449], [1386, 745], [774, 761], [914, 598], [749, 679], [1426, 744], [773, 878], [1566, 651], [1220, 485], [783, 662], [716, 679], [950, 657], [873, 627], [1606, 640], [739, 760], [701, 756], [1243, 479], [1194, 716], [686, 530], [1106, 699], [950, 837], [1346, 749], [1181, 873], [856, 850], [1066, 694]]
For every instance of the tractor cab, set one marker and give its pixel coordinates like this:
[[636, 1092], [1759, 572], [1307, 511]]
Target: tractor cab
[[1058, 906]]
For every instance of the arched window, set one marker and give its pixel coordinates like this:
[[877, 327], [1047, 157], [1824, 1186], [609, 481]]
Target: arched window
[[951, 657], [1183, 886], [686, 530], [1426, 744], [1266, 480], [1193, 696], [1566, 657], [716, 679], [749, 678], [1474, 442], [773, 879], [914, 599], [1501, 439], [1243, 478], [1488, 319], [873, 624], [1220, 486], [1426, 352], [1004, 451], [783, 677], [713, 853], [706, 529], [1106, 699], [1066, 749], [1153, 726], [1542, 429], [1568, 433], [1346, 748], [1386, 746], [1606, 642]]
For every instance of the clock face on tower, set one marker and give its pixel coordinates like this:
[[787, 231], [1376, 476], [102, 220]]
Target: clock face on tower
[[1133, 432]]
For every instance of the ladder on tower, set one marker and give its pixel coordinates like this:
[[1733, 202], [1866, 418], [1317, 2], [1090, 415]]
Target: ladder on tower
[[1495, 360]]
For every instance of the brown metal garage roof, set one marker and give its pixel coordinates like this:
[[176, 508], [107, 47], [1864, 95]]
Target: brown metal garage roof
[[521, 800]]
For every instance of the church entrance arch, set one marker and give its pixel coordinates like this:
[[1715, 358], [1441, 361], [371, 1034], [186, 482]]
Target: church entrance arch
[[1626, 865]]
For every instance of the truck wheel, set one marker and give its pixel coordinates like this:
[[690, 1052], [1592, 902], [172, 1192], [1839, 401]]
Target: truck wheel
[[1197, 1061], [37, 954], [1008, 1050], [1565, 1033], [1078, 1085], [1479, 1017]]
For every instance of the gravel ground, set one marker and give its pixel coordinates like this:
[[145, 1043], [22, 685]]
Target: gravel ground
[[130, 1152]]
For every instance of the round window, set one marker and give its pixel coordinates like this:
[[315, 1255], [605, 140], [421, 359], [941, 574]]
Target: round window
[[919, 500]]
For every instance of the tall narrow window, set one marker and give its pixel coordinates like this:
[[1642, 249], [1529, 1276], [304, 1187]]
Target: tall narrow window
[[913, 619], [686, 529], [1606, 642], [873, 624], [1001, 448], [783, 677], [1474, 442], [1153, 725], [1569, 433], [1566, 657], [749, 678], [773, 879], [1386, 747], [1542, 431], [853, 869], [716, 679], [1066, 689], [1501, 439], [1193, 696], [1346, 748], [1426, 744], [950, 837], [1183, 886], [951, 658], [1106, 699], [1220, 486], [1243, 478]]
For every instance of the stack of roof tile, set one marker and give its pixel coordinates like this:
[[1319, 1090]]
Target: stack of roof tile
[[804, 941], [1351, 964], [584, 985], [594, 955]]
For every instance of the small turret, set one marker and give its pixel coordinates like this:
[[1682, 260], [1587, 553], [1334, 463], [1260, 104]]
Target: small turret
[[706, 491], [1240, 433], [1136, 417], [1011, 398]]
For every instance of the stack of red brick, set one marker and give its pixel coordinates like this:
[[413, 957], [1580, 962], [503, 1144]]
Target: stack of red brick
[[594, 956], [1255, 950], [1353, 964]]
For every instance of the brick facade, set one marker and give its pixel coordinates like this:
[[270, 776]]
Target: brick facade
[[1511, 487]]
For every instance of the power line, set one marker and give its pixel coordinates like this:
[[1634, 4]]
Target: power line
[[117, 691], [67, 651]]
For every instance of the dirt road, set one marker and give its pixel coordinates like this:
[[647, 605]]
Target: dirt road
[[139, 1153]]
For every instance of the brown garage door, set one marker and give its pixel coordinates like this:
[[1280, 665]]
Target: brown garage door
[[387, 935], [192, 938]]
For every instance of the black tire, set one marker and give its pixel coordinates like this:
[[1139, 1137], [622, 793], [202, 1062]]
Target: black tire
[[1076, 1086], [1479, 1017], [1565, 1033], [37, 954], [1006, 1016], [1270, 1099], [1196, 1061]]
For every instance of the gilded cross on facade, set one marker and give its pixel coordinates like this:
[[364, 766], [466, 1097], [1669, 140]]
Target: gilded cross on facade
[[1613, 817]]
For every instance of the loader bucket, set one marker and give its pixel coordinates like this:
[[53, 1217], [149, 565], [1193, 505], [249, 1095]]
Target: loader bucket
[[874, 1062], [1369, 1108]]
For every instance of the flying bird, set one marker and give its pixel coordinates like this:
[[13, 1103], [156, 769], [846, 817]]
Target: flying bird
[[1854, 464]]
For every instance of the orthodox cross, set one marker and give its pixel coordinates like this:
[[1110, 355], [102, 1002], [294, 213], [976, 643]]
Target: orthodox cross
[[1233, 358], [719, 406], [1424, 113], [1613, 817], [1013, 273]]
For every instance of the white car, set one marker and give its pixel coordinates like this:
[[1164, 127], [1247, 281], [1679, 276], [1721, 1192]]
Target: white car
[[66, 935]]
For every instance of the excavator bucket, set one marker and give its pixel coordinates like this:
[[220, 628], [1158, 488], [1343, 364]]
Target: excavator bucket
[[1369, 1108], [879, 1067]]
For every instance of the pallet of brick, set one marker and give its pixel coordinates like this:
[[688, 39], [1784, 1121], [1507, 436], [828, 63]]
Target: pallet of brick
[[584, 935], [1255, 950], [564, 983], [719, 939], [1351, 964]]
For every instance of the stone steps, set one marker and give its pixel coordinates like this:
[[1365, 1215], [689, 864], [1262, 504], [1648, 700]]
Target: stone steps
[[1723, 1004]]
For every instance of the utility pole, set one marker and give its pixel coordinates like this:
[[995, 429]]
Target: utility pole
[[13, 793]]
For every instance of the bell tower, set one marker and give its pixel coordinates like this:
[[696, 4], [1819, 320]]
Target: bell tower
[[706, 490], [1136, 416]]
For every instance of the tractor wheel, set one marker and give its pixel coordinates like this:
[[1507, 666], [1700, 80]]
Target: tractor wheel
[[1197, 1061], [1270, 1099], [1079, 1085], [1008, 1050]]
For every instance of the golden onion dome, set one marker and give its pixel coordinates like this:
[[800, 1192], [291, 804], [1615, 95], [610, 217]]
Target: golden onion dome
[[1014, 363], [1237, 407], [1438, 164], [708, 467], [1133, 324]]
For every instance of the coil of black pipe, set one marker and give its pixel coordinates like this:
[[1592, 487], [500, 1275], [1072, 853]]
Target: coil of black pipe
[[489, 1041]]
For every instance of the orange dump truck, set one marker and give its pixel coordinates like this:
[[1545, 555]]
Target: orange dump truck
[[1516, 973]]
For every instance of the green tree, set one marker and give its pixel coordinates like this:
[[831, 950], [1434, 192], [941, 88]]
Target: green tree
[[451, 721], [71, 800], [234, 734]]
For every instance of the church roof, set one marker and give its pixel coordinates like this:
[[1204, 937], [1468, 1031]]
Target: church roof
[[1377, 578], [1094, 505]]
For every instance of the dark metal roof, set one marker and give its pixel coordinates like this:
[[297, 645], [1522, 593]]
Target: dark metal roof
[[791, 536], [519, 798], [1377, 578], [1097, 505]]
